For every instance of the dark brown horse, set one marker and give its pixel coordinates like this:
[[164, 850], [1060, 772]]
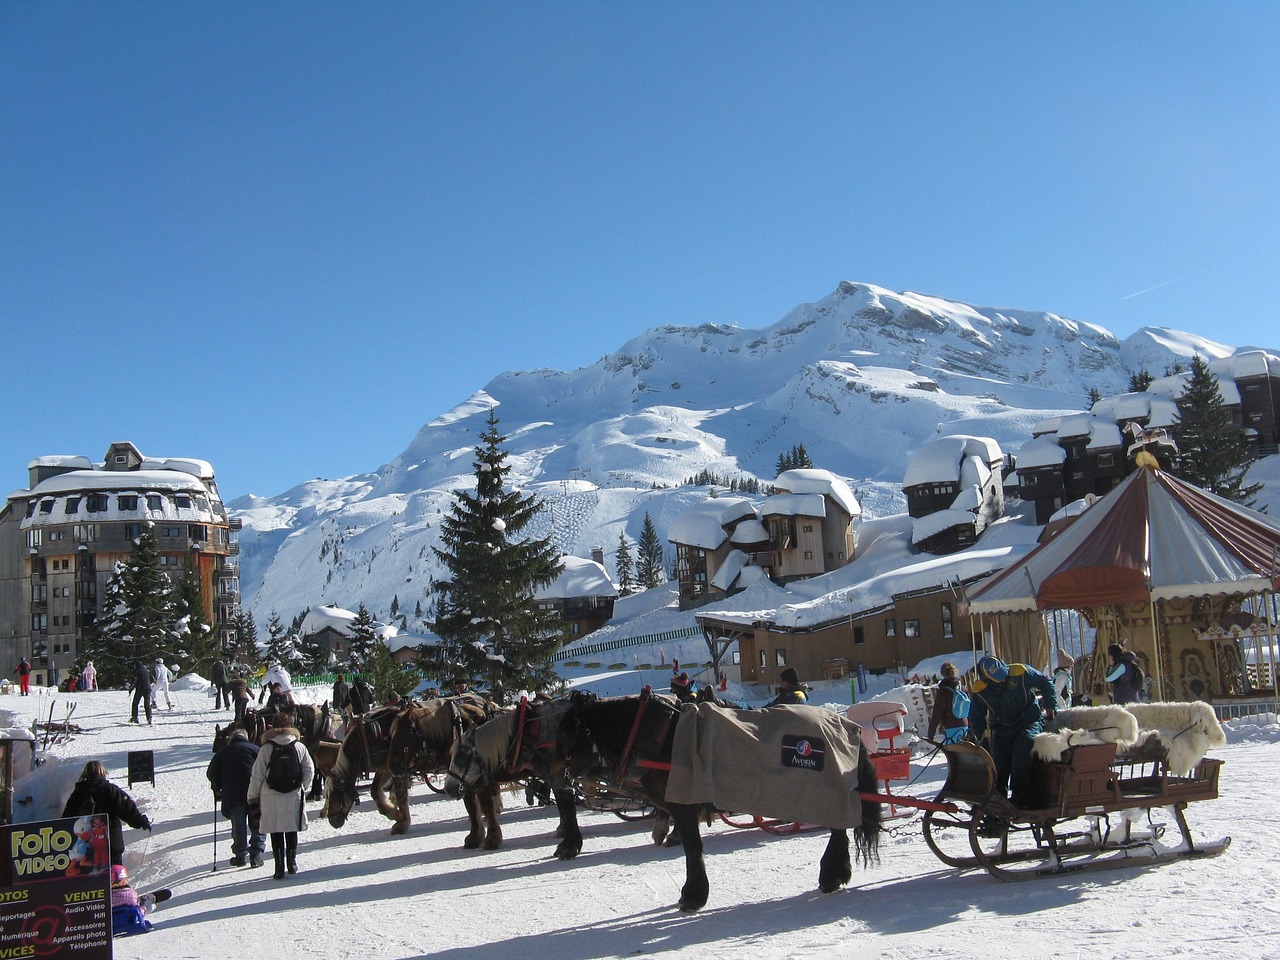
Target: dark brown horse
[[363, 751], [630, 741], [421, 740], [317, 728]]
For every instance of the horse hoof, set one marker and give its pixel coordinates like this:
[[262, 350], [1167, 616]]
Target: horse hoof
[[399, 828], [688, 906], [492, 843], [567, 853], [471, 843]]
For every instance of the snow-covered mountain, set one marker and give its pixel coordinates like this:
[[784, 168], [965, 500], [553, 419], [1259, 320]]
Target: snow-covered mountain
[[862, 378]]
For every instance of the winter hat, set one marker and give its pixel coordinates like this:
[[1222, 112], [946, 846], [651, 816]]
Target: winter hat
[[790, 676], [1065, 660], [680, 682], [993, 670], [119, 875]]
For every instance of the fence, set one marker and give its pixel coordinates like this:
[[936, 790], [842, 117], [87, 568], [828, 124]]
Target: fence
[[577, 653]]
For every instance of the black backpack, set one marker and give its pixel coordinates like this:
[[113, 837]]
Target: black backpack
[[1137, 677], [284, 769]]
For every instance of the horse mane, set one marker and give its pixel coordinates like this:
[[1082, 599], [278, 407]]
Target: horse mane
[[608, 721], [492, 739], [433, 724]]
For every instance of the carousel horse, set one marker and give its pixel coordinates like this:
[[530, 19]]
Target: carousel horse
[[364, 750], [421, 740], [633, 740]]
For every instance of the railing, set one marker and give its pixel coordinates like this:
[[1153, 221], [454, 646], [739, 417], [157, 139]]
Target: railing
[[1238, 708], [586, 651]]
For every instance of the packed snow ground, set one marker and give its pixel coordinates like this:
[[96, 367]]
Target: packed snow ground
[[362, 893]]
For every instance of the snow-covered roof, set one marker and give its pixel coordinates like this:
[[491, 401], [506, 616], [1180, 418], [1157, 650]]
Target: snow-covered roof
[[750, 531], [327, 615], [704, 525], [939, 461], [812, 480], [124, 480], [730, 569], [1042, 451], [794, 505], [197, 468], [935, 523], [579, 578], [66, 461]]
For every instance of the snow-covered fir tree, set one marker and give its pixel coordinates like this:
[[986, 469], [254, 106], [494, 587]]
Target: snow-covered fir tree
[[363, 640], [1213, 452], [626, 570], [246, 642], [196, 643], [138, 613], [491, 631], [649, 567]]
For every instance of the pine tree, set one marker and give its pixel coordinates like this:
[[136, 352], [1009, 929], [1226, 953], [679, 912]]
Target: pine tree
[[395, 606], [1213, 453], [490, 628], [626, 575], [196, 643], [309, 654], [138, 613], [386, 676], [247, 641], [1093, 397], [363, 638], [1138, 382], [649, 570]]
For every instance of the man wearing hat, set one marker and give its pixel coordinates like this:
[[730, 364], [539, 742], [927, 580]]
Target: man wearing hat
[[790, 689], [682, 688], [1007, 714]]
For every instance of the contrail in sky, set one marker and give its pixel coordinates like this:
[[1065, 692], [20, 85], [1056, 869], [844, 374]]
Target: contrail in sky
[[1165, 284]]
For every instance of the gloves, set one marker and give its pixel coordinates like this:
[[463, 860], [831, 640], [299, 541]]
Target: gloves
[[146, 824]]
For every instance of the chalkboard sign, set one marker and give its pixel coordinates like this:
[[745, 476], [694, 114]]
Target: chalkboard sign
[[142, 766]]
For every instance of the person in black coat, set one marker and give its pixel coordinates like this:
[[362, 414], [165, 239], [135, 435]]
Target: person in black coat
[[341, 693], [218, 679], [142, 681], [229, 773], [94, 793], [361, 696]]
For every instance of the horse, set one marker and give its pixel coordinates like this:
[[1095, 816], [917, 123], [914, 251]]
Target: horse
[[511, 747], [363, 750], [421, 741], [634, 737], [320, 732]]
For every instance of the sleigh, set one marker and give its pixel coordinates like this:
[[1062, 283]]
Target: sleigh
[[1096, 808]]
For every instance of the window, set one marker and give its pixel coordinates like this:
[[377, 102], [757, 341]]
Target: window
[[170, 531], [127, 502], [859, 636], [85, 531], [46, 506], [167, 560], [154, 501], [947, 631], [808, 528], [1106, 460], [198, 532], [39, 592], [63, 564], [86, 589], [764, 660], [58, 534], [737, 657], [911, 628], [73, 505], [891, 628], [39, 623], [182, 501], [31, 508], [808, 554], [779, 657], [121, 458], [33, 537], [132, 531], [96, 503]]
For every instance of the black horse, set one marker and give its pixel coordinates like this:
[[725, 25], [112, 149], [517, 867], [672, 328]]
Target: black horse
[[316, 726], [630, 740]]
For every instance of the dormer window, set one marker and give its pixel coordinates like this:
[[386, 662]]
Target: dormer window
[[154, 501], [73, 505], [182, 501], [96, 503], [127, 502]]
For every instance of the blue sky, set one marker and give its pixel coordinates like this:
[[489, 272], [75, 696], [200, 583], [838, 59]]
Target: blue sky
[[281, 237]]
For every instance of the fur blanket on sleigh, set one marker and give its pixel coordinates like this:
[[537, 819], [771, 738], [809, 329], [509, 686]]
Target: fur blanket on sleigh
[[1180, 733], [786, 763]]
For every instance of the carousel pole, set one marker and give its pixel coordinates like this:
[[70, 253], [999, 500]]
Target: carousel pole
[[1155, 645]]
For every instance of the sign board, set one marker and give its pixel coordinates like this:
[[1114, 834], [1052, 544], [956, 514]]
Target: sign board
[[55, 896], [142, 766]]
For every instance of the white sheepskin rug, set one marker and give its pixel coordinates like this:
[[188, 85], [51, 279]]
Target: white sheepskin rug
[[1181, 733]]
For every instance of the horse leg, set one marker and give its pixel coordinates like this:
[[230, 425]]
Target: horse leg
[[378, 791], [663, 831], [475, 836], [835, 869], [317, 787], [567, 805], [400, 794], [693, 895], [488, 800]]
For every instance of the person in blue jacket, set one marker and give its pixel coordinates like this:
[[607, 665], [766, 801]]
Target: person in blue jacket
[[1010, 705], [1122, 673]]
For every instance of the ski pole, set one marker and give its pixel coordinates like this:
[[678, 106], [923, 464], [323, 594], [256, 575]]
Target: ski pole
[[215, 833]]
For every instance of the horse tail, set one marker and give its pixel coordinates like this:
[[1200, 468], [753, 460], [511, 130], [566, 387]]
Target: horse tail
[[866, 836]]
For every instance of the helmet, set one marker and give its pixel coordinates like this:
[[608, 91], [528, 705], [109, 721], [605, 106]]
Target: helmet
[[119, 874], [993, 670]]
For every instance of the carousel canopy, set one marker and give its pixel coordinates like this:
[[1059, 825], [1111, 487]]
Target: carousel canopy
[[1151, 538]]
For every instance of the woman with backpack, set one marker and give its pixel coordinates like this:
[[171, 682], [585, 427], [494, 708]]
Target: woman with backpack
[[950, 708], [95, 794], [1124, 675], [276, 788]]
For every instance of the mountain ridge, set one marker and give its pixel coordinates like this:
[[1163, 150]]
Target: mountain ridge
[[862, 377]]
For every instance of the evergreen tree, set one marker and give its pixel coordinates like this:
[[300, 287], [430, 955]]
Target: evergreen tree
[[1093, 397], [386, 676], [282, 644], [490, 629], [363, 638], [797, 458], [247, 651], [309, 654], [1213, 453], [1138, 382], [395, 606], [626, 575], [649, 570], [138, 613], [417, 611], [196, 643]]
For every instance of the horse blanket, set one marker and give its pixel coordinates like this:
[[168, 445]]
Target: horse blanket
[[787, 763]]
